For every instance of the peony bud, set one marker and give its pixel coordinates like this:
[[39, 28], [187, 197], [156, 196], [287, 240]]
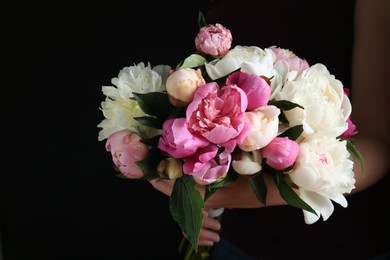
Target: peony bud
[[281, 153], [263, 124], [247, 163], [126, 149], [171, 168], [181, 85], [351, 131], [214, 40]]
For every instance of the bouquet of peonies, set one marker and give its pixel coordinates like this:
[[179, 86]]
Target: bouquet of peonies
[[227, 111]]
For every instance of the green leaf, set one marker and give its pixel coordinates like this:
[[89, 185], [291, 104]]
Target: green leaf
[[155, 104], [283, 119], [149, 166], [284, 104], [293, 133], [352, 148], [192, 61], [259, 187], [201, 20], [152, 141], [289, 195], [149, 121], [186, 205]]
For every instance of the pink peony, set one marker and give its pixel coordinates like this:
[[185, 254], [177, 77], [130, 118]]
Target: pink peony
[[351, 131], [281, 153], [256, 88], [214, 40], [181, 85], [217, 114], [294, 62], [126, 149], [204, 167], [177, 141]]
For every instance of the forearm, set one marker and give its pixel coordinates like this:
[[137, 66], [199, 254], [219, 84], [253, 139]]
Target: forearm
[[376, 156]]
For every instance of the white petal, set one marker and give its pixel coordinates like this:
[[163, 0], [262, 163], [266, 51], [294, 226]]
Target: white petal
[[322, 205], [340, 199], [246, 167]]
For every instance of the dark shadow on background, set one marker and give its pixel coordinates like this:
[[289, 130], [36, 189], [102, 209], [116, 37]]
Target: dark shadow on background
[[60, 198]]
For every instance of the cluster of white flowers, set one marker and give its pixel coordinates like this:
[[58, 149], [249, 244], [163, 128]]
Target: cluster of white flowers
[[119, 109]]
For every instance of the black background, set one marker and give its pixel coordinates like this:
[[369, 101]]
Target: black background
[[60, 198]]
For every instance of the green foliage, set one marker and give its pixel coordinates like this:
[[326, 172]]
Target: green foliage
[[149, 121], [192, 61], [149, 166], [293, 133], [152, 142], [155, 104], [186, 206], [288, 194], [284, 105], [352, 148], [201, 20], [259, 187]]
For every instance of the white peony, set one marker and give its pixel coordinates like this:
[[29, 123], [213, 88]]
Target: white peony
[[250, 59], [263, 123], [326, 107], [323, 172], [247, 163], [141, 79], [119, 114], [119, 109]]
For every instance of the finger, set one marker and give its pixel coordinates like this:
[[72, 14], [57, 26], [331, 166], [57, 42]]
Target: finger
[[211, 223], [208, 237], [163, 185]]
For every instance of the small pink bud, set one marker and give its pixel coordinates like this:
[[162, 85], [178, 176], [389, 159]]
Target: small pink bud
[[281, 153], [214, 40]]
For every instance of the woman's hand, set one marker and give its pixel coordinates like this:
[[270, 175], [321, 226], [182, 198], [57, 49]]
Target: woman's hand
[[163, 185], [209, 231]]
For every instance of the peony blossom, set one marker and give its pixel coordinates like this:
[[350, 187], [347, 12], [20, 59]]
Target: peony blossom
[[206, 165], [263, 124], [214, 40], [217, 114], [249, 59], [181, 85], [176, 139], [247, 163], [295, 64], [281, 153], [231, 109], [351, 130], [323, 172], [119, 110], [256, 88], [126, 149], [326, 107], [119, 114], [140, 79]]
